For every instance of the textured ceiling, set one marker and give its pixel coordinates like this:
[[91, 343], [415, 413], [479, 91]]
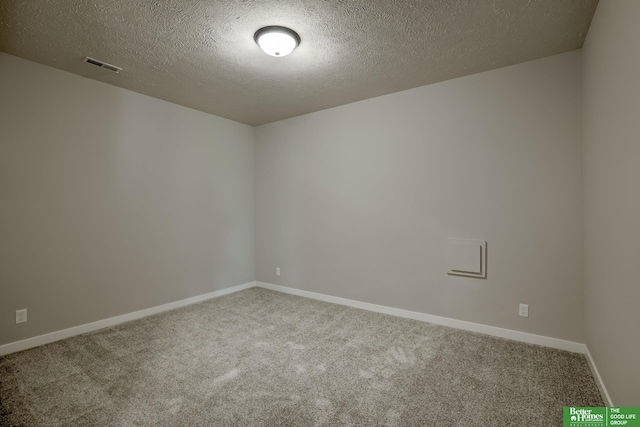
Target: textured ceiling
[[201, 53]]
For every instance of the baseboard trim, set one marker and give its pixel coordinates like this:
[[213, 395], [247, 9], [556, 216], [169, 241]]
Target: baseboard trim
[[105, 323], [596, 375], [445, 321]]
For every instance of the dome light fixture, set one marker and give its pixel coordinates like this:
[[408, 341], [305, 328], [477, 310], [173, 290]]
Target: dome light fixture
[[277, 41]]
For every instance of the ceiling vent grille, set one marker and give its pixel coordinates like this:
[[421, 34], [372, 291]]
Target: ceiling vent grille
[[101, 64]]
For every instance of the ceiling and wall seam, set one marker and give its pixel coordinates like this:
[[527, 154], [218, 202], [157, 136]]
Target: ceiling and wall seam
[[202, 54]]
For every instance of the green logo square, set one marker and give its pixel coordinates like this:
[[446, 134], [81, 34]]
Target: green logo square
[[601, 416]]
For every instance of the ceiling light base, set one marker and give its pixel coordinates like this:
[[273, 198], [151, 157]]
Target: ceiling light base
[[277, 41]]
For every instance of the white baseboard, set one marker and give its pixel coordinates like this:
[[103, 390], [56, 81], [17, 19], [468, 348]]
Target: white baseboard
[[445, 321], [105, 323], [458, 324], [598, 378], [574, 347]]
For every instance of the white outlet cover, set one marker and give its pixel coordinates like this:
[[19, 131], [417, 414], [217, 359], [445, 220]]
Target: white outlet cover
[[21, 316], [524, 310]]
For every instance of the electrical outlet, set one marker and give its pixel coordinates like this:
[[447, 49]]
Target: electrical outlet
[[21, 316], [277, 271], [524, 310]]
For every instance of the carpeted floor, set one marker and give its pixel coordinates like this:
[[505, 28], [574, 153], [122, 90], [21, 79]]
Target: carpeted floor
[[263, 358]]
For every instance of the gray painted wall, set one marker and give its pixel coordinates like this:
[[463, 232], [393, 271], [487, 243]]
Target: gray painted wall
[[112, 201], [357, 201], [611, 134]]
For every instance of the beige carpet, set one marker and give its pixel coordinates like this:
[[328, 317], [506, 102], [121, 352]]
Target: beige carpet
[[262, 358]]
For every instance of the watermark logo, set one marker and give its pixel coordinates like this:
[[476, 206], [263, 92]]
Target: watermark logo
[[601, 416], [594, 417]]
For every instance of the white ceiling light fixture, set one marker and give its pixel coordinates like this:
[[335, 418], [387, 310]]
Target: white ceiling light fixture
[[277, 41]]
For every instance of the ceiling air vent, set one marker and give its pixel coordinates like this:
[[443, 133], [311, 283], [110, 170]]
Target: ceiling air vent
[[101, 64]]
